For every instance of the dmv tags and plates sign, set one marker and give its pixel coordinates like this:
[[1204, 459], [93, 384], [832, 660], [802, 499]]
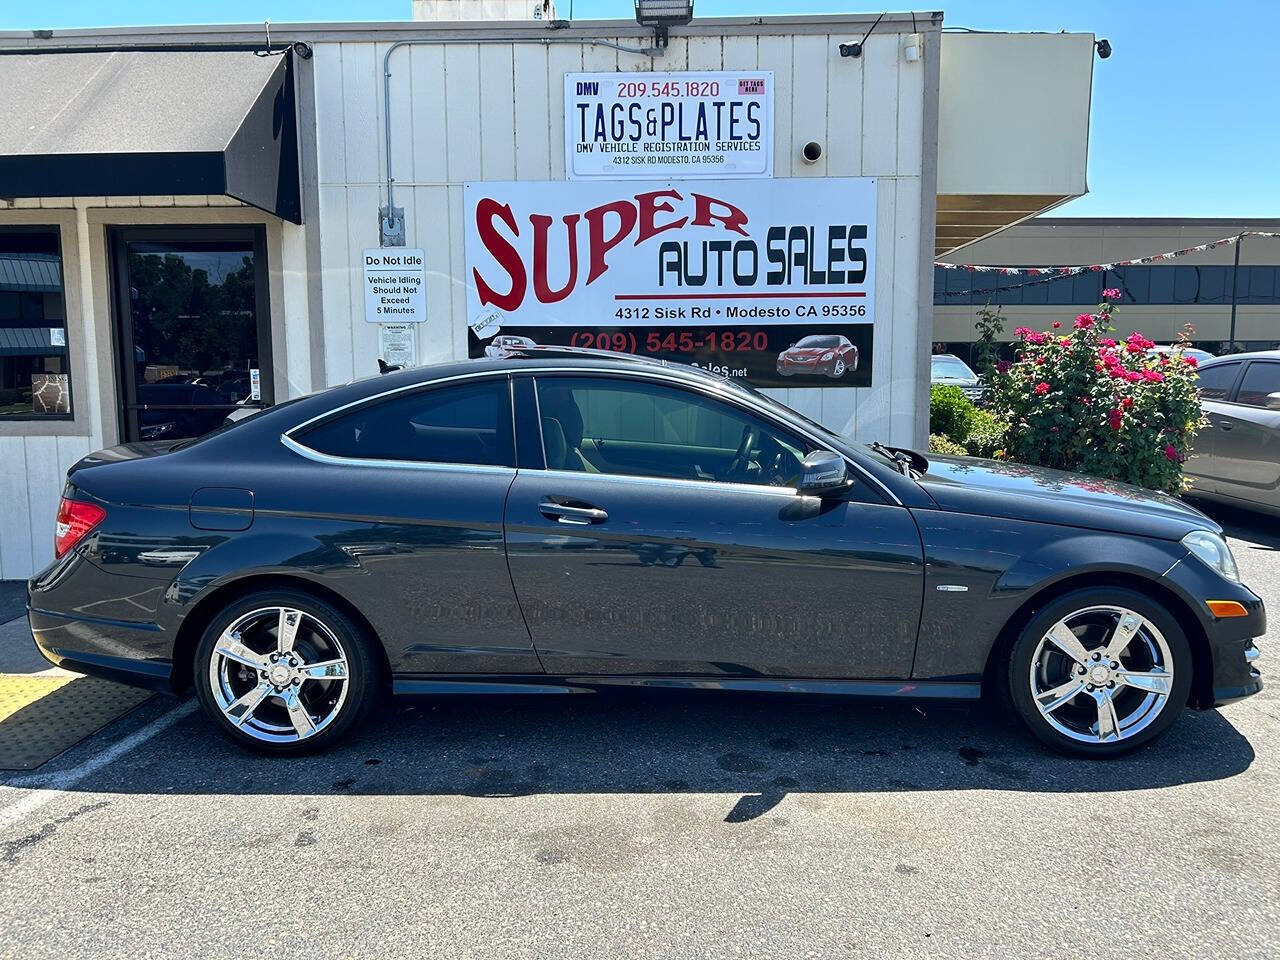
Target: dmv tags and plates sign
[[395, 288], [653, 126]]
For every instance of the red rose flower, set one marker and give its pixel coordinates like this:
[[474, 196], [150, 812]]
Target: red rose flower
[[1171, 452], [1114, 417], [1042, 388], [1057, 324]]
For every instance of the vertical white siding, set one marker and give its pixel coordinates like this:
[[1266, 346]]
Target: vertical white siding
[[464, 112]]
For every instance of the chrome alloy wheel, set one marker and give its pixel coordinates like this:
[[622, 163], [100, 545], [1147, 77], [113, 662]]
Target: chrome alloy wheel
[[279, 674], [1101, 674]]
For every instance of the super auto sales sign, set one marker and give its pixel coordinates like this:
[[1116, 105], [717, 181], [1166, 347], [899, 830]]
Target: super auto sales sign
[[772, 280]]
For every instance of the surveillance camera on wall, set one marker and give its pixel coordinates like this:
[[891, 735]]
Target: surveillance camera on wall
[[850, 49]]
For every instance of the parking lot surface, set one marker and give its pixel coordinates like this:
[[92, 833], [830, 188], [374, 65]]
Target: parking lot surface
[[672, 825]]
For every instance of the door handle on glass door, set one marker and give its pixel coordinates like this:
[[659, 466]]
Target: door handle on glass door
[[565, 513]]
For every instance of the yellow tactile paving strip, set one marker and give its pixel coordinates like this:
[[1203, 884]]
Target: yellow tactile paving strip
[[41, 714]]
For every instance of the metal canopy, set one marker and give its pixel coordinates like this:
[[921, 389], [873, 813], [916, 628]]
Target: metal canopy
[[150, 123]]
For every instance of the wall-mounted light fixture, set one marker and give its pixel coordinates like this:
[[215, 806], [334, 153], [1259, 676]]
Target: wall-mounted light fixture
[[662, 15], [912, 47], [1104, 48]]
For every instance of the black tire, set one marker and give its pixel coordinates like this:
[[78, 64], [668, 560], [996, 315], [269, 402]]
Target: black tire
[[324, 634], [1075, 606]]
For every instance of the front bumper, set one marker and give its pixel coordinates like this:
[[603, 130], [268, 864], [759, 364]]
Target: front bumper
[[1233, 653]]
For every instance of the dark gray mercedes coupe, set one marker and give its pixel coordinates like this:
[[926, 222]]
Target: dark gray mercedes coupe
[[556, 521]]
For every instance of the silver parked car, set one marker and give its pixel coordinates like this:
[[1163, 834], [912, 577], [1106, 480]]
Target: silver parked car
[[1237, 456], [947, 368]]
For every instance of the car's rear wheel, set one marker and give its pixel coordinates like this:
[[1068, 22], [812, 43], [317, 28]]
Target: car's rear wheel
[[285, 672], [1099, 672]]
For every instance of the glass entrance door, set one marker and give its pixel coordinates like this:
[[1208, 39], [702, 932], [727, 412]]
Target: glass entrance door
[[193, 335]]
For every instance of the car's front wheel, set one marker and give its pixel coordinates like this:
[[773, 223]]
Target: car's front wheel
[[285, 672], [1100, 672]]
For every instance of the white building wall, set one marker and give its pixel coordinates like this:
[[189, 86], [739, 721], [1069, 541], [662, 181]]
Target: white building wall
[[35, 455], [467, 111]]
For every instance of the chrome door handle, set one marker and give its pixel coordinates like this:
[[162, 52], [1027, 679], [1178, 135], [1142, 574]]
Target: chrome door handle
[[567, 514], [1224, 424]]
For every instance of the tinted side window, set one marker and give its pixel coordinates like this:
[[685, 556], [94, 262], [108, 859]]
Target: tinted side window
[[470, 423], [1259, 380], [1215, 381], [633, 428]]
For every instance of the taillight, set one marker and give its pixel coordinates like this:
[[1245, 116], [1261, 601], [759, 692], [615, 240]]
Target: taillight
[[75, 519]]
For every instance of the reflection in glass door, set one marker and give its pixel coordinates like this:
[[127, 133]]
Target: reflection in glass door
[[192, 330]]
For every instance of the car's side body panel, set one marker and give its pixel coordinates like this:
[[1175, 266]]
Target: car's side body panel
[[706, 578]]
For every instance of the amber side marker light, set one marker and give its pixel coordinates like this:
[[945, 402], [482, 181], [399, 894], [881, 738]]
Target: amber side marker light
[[1226, 608]]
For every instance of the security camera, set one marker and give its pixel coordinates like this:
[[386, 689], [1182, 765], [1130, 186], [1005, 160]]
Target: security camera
[[301, 50], [1104, 48], [850, 49]]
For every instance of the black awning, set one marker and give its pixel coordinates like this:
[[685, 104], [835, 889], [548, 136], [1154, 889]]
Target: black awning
[[150, 123]]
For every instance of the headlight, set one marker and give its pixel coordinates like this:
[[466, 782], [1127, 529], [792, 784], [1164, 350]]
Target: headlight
[[828, 355], [1213, 550]]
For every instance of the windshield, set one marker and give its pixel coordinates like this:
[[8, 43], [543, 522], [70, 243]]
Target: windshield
[[950, 368], [819, 342]]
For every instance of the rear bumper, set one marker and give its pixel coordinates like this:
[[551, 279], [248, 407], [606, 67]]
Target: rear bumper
[[112, 649]]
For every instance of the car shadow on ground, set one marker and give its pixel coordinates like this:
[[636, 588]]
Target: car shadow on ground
[[760, 747]]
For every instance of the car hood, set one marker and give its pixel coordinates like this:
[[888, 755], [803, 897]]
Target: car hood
[[808, 353], [1022, 492]]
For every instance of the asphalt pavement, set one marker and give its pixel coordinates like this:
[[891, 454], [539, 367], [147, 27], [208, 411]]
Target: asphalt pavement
[[656, 825]]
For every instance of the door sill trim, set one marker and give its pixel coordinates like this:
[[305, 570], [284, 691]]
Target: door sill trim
[[538, 684]]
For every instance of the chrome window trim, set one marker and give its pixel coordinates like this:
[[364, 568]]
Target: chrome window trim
[[302, 450], [534, 368], [681, 481]]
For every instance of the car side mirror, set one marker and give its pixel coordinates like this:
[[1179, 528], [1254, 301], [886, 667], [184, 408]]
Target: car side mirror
[[823, 474], [1273, 401]]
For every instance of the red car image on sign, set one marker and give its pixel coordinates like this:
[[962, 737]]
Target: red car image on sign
[[830, 354]]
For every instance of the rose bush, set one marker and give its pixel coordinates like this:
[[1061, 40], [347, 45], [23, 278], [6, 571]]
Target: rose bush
[[1082, 400]]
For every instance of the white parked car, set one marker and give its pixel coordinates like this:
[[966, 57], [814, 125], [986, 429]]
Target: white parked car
[[503, 344]]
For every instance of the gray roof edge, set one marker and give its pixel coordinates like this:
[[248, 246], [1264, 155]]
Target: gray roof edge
[[1272, 223], [389, 31]]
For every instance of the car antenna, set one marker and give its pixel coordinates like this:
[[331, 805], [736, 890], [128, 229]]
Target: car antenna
[[384, 367]]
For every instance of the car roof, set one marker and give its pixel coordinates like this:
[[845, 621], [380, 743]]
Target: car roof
[[1252, 355], [284, 417]]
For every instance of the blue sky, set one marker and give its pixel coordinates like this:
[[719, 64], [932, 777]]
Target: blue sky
[[1185, 115]]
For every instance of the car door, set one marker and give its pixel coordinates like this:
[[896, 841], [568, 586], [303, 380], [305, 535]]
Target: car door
[[660, 535], [1247, 436], [1217, 381], [405, 492]]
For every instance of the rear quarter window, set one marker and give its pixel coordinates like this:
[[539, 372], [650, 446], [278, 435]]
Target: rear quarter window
[[467, 424]]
